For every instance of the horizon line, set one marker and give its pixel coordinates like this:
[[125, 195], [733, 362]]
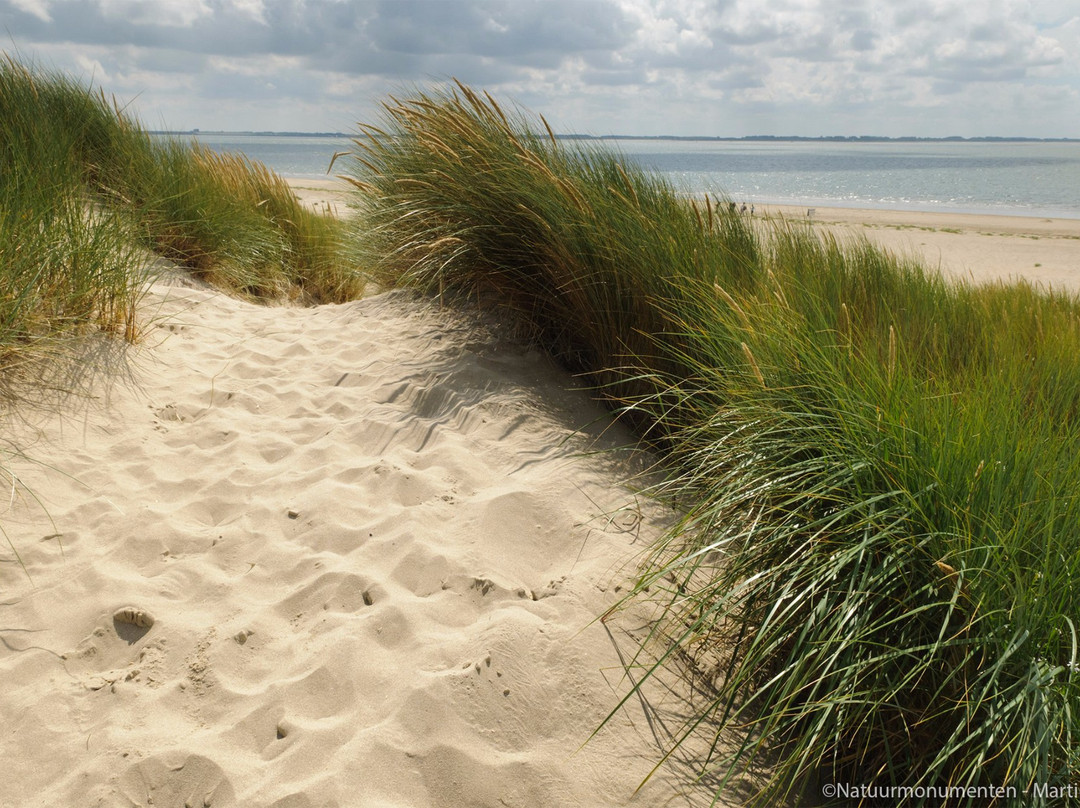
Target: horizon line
[[722, 138]]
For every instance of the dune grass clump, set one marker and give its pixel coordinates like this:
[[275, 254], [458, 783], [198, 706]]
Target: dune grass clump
[[457, 201], [876, 569], [229, 219], [64, 264]]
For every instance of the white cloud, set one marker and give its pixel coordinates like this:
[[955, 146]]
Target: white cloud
[[256, 9], [37, 8]]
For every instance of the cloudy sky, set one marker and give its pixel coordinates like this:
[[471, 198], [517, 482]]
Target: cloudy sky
[[709, 67]]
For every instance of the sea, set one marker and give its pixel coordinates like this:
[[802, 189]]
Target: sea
[[1025, 178]]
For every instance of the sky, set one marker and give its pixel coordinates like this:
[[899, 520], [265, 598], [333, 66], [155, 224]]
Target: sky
[[731, 68]]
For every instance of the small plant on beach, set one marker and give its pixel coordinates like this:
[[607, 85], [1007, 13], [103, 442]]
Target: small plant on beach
[[876, 572]]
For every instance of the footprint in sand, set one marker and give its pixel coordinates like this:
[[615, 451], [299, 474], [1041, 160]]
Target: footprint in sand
[[170, 412], [484, 667], [480, 588], [175, 780], [133, 616], [131, 623]]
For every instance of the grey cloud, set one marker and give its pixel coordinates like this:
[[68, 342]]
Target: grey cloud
[[169, 60], [608, 77], [877, 54], [945, 87], [857, 25], [967, 73], [85, 22], [863, 39], [989, 59], [367, 36], [915, 13], [758, 32], [522, 29], [742, 78], [822, 36]]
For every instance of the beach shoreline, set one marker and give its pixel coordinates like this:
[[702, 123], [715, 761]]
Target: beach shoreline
[[976, 247]]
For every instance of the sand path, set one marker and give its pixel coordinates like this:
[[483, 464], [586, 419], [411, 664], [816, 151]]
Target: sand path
[[372, 542]]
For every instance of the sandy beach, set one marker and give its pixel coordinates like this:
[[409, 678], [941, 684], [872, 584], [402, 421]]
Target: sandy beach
[[976, 247], [326, 196], [354, 555]]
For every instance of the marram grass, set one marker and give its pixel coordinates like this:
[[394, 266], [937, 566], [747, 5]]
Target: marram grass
[[65, 265], [228, 219], [878, 471]]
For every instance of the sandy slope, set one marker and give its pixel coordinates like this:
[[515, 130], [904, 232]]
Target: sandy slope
[[373, 547]]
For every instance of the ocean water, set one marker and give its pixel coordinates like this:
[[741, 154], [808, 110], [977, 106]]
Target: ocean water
[[1019, 178], [306, 156], [1014, 178]]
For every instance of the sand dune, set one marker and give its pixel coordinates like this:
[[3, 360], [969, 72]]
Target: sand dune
[[346, 556], [340, 556]]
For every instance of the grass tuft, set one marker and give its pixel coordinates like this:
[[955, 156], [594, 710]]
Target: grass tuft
[[229, 219], [66, 265]]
